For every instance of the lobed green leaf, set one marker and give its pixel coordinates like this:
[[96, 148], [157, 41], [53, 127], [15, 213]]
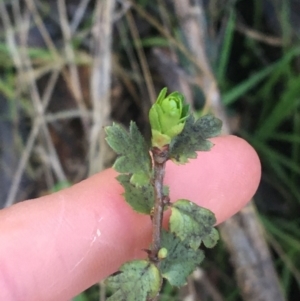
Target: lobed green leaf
[[140, 198], [193, 223], [137, 280], [180, 261], [193, 138], [133, 153]]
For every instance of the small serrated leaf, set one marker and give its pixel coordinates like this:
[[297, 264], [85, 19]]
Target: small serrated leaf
[[211, 240], [137, 280], [209, 125], [140, 198], [134, 155], [193, 138], [193, 223], [180, 261]]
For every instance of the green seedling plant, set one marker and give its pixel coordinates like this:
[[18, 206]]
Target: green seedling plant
[[173, 253]]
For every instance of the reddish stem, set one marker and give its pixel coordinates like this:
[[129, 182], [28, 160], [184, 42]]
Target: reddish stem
[[160, 157]]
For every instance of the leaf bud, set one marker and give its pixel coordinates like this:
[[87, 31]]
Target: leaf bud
[[167, 117], [162, 253]]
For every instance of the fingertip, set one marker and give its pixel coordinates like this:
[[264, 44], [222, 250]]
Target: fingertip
[[222, 180]]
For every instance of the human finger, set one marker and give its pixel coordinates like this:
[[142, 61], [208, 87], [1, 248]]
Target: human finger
[[54, 247]]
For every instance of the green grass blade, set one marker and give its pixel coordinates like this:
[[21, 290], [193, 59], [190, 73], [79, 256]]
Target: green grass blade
[[231, 96], [288, 102], [226, 48]]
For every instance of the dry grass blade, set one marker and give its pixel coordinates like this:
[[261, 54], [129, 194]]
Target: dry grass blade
[[64, 115], [284, 257], [78, 15], [133, 64], [100, 81], [141, 55], [258, 36], [174, 77], [10, 37], [34, 93], [191, 57], [40, 24], [192, 18], [24, 69], [30, 141], [201, 288], [74, 81], [251, 257]]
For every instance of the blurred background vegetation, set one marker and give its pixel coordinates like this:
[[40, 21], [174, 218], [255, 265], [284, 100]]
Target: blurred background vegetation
[[70, 67]]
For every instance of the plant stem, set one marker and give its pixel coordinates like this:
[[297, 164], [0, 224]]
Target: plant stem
[[160, 157]]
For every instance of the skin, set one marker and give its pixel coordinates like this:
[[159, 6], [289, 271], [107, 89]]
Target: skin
[[54, 247]]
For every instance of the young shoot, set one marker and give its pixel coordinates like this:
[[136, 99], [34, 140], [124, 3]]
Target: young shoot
[[174, 253]]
